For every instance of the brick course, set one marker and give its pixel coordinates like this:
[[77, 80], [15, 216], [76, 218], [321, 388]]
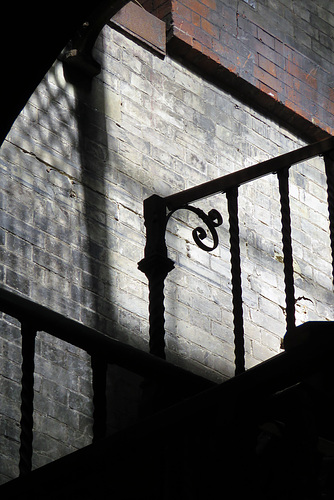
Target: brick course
[[75, 170], [284, 52]]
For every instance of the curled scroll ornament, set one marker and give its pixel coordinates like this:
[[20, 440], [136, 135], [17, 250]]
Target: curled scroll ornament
[[212, 220]]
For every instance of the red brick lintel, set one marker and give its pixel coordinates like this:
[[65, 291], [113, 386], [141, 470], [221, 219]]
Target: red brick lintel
[[135, 21], [252, 90], [257, 68]]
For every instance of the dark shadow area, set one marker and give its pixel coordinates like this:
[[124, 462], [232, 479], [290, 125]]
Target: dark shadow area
[[31, 26], [93, 157], [265, 433], [123, 389]]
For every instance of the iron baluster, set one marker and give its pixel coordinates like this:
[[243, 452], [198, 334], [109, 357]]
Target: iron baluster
[[283, 181], [156, 274], [28, 333], [239, 347], [329, 165]]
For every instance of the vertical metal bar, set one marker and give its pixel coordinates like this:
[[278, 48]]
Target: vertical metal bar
[[28, 333], [156, 266], [99, 369], [329, 165], [239, 343], [283, 181]]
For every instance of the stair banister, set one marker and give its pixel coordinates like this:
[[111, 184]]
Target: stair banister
[[156, 217], [235, 179]]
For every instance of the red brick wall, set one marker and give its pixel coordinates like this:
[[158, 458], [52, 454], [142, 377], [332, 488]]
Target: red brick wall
[[253, 52], [160, 8]]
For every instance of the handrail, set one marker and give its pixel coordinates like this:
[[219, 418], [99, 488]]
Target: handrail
[[240, 399], [93, 341], [174, 382], [236, 179]]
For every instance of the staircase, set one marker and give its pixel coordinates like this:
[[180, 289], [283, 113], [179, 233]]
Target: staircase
[[197, 438], [164, 385], [266, 432]]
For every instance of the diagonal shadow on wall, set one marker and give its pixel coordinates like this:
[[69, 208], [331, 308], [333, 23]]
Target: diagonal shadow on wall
[[97, 294]]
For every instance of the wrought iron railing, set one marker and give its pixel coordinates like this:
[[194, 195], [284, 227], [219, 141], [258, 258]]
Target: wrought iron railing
[[157, 211], [167, 453], [170, 380], [280, 372], [156, 265]]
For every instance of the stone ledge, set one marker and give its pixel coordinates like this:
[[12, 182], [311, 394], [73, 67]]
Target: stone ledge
[[135, 21]]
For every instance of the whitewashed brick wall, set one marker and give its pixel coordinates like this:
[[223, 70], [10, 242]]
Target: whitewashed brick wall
[[75, 170]]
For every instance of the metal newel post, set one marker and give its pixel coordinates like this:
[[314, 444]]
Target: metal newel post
[[156, 265]]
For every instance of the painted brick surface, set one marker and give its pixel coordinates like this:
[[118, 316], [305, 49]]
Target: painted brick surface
[[75, 170], [284, 50]]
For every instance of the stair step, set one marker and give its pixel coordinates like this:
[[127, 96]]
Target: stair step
[[186, 447]]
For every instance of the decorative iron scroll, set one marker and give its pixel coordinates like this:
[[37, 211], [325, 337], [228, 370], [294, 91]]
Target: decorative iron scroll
[[212, 220], [156, 264]]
